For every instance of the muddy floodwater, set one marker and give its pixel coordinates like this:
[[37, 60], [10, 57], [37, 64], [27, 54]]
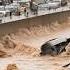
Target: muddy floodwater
[[26, 55], [20, 43], [40, 63]]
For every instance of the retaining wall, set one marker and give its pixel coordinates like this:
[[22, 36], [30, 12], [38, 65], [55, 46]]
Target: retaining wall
[[63, 17]]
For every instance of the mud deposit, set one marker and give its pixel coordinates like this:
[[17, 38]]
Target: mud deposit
[[22, 47]]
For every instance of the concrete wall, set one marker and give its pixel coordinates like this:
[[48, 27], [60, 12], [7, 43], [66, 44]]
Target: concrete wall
[[42, 20]]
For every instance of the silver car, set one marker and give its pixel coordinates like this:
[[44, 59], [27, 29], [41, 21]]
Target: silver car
[[50, 5]]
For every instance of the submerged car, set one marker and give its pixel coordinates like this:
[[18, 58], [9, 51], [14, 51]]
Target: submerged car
[[54, 46]]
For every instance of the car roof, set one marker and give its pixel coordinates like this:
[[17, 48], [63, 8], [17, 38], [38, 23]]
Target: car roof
[[57, 41]]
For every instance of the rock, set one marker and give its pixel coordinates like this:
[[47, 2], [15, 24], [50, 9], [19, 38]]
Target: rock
[[12, 67]]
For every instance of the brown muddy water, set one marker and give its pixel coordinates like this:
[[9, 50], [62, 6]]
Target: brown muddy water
[[23, 49]]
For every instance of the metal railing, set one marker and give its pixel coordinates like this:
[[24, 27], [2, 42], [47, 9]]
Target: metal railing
[[30, 15]]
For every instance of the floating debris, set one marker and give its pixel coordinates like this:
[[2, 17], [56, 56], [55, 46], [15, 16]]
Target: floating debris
[[12, 67]]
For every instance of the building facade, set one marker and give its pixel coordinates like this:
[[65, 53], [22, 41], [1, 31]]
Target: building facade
[[4, 2]]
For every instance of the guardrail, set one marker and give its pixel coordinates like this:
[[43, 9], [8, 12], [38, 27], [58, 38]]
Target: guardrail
[[30, 15]]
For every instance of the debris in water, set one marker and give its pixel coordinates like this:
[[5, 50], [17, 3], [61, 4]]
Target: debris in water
[[54, 46], [12, 67]]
